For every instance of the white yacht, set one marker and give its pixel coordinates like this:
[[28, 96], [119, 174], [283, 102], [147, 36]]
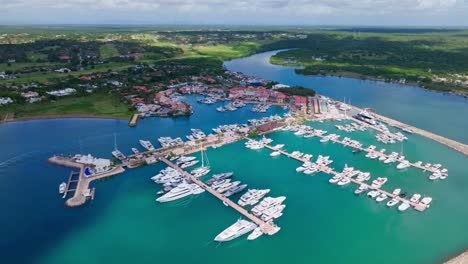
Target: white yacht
[[147, 145], [188, 164], [397, 191], [238, 229], [392, 202], [426, 201], [415, 198], [182, 190], [377, 183], [252, 197], [200, 171], [373, 194], [118, 155], [362, 188], [404, 164], [279, 146], [381, 197], [62, 187], [255, 234], [227, 186], [275, 153], [344, 181], [135, 151], [403, 206], [335, 178]]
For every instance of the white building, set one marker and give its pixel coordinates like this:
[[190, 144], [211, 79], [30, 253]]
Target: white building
[[279, 85], [63, 92], [98, 165], [5, 100]]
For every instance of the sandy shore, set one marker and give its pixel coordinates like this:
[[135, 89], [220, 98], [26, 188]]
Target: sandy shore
[[460, 259]]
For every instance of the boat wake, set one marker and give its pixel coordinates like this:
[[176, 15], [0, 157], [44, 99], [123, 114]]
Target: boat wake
[[15, 159]]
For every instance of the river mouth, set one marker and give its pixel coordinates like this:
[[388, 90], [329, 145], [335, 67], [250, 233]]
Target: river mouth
[[433, 111]]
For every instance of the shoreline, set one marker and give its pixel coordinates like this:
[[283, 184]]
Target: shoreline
[[459, 259], [359, 76], [65, 116]]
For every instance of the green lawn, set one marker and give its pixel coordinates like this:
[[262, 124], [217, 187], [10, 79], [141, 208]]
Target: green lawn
[[108, 51], [225, 52], [96, 104]]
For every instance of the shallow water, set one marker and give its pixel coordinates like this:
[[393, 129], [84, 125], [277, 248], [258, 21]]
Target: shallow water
[[322, 223]]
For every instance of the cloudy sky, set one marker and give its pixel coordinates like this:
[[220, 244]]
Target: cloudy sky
[[237, 12]]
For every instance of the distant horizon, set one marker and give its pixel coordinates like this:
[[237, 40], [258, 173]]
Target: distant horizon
[[332, 26], [394, 13]]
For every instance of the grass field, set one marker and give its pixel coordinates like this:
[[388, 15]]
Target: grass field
[[108, 51], [99, 104], [225, 52]]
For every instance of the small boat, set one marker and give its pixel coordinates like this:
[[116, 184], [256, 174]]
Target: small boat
[[344, 181], [255, 234], [403, 207], [62, 187], [362, 188], [275, 153], [373, 194], [426, 201], [381, 197], [356, 150], [392, 202], [415, 198]]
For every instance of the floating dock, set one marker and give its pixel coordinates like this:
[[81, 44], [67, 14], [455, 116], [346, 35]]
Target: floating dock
[[266, 228], [328, 170], [430, 169]]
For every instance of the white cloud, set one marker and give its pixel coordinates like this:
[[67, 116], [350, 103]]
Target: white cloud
[[219, 11]]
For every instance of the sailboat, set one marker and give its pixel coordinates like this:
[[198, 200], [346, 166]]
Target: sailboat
[[403, 162], [204, 169], [116, 153]]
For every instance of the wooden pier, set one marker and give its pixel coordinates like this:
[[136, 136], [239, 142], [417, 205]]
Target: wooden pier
[[266, 228], [328, 170]]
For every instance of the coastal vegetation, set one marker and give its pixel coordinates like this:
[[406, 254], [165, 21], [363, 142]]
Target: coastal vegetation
[[434, 60], [297, 90], [89, 59]]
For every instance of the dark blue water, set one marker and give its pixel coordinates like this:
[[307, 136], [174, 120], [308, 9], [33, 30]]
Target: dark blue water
[[441, 113], [34, 217]]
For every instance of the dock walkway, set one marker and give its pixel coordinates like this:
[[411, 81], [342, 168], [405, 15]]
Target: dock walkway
[[458, 146], [328, 170], [264, 226], [413, 164]]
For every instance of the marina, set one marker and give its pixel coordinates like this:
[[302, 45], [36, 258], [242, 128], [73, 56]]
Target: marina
[[265, 227], [328, 170], [316, 208]]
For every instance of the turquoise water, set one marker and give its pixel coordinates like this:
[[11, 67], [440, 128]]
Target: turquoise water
[[322, 223], [440, 113]]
